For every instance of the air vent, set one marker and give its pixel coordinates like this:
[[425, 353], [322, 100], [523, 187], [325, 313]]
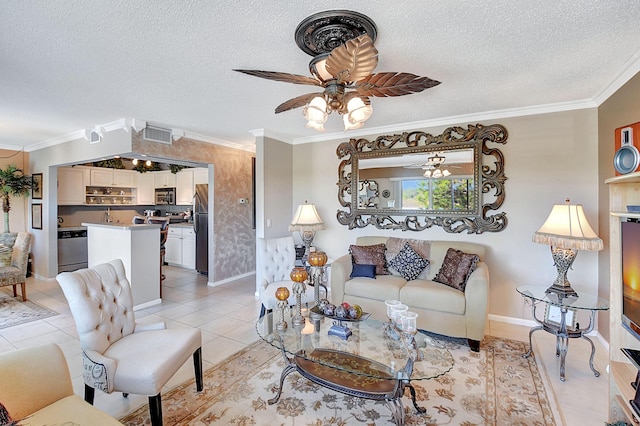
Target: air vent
[[157, 134]]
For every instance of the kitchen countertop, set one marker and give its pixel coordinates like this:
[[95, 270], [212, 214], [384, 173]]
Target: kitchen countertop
[[182, 225], [123, 226], [72, 228]]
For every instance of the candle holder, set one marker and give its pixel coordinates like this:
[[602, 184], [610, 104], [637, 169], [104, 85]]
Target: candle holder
[[282, 294], [298, 276], [317, 260], [408, 330], [394, 312]]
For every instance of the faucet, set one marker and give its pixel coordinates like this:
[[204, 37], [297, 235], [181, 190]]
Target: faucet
[[107, 216]]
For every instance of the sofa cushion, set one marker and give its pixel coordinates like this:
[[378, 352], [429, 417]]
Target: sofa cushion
[[422, 247], [433, 296], [364, 271], [370, 255], [456, 268], [409, 263], [382, 288]]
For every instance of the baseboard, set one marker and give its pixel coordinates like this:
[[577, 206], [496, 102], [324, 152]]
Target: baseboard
[[147, 304], [230, 279]]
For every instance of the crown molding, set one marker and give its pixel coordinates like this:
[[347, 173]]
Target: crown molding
[[126, 124], [631, 68], [452, 120], [216, 141], [271, 134]]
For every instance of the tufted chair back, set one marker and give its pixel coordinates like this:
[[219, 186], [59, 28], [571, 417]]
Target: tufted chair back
[[101, 304], [276, 257]]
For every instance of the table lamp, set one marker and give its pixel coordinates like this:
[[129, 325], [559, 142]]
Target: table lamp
[[566, 230], [306, 221]]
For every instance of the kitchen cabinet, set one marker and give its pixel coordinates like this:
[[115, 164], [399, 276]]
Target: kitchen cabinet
[[112, 177], [107, 195], [200, 175], [71, 184], [180, 248], [164, 179], [184, 187], [146, 189]]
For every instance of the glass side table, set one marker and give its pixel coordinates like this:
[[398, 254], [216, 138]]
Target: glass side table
[[560, 319]]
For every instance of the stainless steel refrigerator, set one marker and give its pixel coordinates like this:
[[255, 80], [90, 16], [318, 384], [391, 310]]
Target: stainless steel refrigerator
[[201, 227]]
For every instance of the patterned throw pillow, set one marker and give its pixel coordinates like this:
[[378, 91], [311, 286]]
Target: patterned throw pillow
[[456, 268], [370, 255], [409, 263], [394, 245]]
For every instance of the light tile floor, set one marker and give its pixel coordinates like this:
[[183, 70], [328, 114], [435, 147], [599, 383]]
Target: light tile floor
[[226, 316]]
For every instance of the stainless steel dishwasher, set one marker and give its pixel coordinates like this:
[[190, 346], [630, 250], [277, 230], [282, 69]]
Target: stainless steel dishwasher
[[72, 249]]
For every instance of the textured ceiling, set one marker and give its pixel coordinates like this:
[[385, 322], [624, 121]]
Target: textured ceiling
[[72, 65]]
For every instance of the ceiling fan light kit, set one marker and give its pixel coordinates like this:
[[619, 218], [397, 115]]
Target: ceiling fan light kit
[[344, 57]]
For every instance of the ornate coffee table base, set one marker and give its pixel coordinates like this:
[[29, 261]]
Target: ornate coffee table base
[[361, 386]]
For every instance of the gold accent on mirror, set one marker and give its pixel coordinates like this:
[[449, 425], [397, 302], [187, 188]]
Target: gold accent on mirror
[[400, 167]]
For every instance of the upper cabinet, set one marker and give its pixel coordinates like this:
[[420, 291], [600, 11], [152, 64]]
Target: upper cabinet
[[200, 175], [113, 177], [71, 184], [184, 187], [164, 179], [146, 189]]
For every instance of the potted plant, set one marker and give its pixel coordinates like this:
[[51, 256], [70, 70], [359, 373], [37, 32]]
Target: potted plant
[[13, 182]]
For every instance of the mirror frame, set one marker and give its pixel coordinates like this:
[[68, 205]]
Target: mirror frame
[[489, 176]]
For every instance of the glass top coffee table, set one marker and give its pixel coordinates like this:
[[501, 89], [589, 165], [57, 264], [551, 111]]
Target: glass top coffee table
[[369, 364]]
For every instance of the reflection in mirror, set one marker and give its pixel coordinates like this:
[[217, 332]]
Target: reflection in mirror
[[453, 180], [436, 181], [368, 193]]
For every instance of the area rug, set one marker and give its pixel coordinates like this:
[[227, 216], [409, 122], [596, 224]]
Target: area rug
[[13, 311], [493, 387]]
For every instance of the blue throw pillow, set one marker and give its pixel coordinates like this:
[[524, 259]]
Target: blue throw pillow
[[365, 271], [409, 263]]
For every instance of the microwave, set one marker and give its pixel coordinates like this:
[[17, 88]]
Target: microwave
[[165, 196]]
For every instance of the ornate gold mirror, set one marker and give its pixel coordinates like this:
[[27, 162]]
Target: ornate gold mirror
[[413, 181]]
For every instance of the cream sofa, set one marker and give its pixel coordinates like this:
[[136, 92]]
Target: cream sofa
[[36, 389], [441, 309]]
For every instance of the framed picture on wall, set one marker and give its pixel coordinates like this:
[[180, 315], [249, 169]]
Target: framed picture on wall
[[36, 187], [36, 216]]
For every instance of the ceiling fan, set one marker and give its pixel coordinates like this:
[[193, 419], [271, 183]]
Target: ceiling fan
[[344, 57], [434, 167]]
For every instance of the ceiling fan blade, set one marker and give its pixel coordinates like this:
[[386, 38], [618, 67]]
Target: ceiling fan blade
[[354, 60], [393, 84], [283, 76], [296, 102]]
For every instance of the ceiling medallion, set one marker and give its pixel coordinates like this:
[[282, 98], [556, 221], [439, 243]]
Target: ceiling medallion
[[344, 57], [324, 31]]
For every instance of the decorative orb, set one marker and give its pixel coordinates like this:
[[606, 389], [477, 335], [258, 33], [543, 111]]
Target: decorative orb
[[298, 274], [330, 309], [282, 293], [317, 258], [341, 311]]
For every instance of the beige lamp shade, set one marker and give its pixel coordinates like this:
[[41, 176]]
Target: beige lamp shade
[[567, 228], [306, 218]]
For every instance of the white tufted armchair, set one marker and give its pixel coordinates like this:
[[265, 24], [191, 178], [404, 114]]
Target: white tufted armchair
[[276, 258], [118, 353]]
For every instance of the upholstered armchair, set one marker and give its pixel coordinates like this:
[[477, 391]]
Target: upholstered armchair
[[276, 258], [36, 389], [16, 273], [120, 354]]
